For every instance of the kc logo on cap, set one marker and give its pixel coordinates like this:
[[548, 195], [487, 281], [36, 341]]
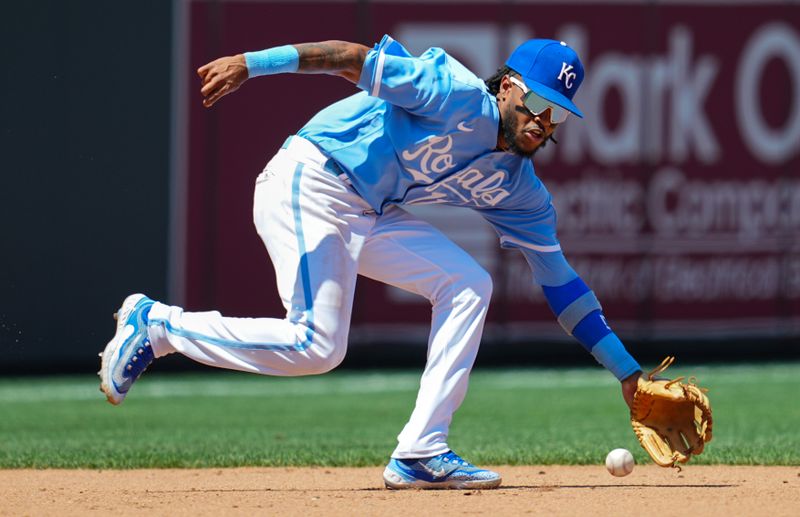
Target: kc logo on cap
[[551, 69], [567, 74]]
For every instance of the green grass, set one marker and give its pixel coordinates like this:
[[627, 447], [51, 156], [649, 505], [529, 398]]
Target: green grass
[[223, 419]]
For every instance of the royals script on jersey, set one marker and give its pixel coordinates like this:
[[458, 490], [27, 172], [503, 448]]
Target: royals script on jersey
[[424, 130]]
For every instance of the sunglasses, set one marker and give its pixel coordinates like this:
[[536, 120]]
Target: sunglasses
[[537, 105]]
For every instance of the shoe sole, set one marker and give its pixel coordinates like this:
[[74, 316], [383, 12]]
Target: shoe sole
[[112, 349], [395, 482]]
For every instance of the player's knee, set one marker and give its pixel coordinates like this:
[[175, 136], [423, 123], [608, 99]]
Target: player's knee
[[324, 351], [473, 285], [477, 284], [325, 361], [482, 284]]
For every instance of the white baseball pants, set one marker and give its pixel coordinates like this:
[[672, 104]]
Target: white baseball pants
[[320, 234]]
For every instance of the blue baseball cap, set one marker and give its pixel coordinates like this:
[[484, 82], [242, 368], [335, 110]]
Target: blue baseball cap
[[551, 69]]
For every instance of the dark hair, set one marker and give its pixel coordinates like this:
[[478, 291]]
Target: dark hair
[[493, 83]]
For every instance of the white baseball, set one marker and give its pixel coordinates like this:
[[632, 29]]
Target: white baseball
[[619, 462]]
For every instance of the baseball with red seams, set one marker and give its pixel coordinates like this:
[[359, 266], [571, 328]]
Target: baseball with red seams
[[619, 462]]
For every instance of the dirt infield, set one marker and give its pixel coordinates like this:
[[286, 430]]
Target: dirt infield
[[547, 490]]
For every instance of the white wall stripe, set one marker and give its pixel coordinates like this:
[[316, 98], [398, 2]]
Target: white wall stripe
[[178, 155]]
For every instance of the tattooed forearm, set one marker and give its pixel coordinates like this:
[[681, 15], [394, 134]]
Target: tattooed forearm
[[332, 57]]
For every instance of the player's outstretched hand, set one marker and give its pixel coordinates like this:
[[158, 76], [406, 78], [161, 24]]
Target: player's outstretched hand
[[221, 77], [629, 388]]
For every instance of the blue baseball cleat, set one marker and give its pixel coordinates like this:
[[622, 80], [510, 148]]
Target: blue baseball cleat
[[446, 470], [129, 352]]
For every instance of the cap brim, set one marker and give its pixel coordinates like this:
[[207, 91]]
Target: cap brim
[[553, 96]]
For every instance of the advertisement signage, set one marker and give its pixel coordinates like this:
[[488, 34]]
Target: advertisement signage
[[678, 194]]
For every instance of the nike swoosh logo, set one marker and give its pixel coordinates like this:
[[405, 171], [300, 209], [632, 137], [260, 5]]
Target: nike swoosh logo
[[435, 473]]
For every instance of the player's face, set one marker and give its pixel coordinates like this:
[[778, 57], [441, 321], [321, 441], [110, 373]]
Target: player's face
[[521, 131]]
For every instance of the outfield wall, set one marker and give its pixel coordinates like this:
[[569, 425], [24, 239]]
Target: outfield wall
[[678, 194], [84, 139]]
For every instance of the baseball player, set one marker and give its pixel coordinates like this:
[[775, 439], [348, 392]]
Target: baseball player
[[328, 207]]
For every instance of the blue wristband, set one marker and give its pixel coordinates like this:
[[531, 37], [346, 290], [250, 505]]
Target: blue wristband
[[611, 353], [276, 60]]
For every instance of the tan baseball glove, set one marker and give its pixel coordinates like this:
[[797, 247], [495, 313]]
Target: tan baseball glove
[[671, 418]]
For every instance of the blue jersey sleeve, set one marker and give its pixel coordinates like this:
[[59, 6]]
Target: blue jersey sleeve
[[533, 232], [575, 306], [419, 85]]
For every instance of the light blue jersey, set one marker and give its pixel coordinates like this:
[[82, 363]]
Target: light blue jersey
[[425, 131]]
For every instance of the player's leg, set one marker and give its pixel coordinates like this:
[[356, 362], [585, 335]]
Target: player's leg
[[408, 253], [313, 227]]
